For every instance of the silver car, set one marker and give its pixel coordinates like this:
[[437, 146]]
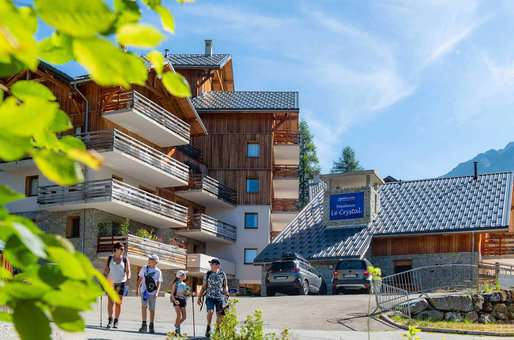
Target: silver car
[[294, 276], [352, 274]]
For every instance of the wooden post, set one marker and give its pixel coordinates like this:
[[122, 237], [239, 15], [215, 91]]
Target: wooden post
[[497, 271]]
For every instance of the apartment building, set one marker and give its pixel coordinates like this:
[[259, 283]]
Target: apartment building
[[187, 179]]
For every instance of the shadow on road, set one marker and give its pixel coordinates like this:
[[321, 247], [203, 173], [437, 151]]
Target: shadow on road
[[127, 331]]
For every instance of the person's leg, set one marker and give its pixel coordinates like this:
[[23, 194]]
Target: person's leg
[[117, 311], [144, 304], [151, 306], [219, 312], [184, 315], [109, 312]]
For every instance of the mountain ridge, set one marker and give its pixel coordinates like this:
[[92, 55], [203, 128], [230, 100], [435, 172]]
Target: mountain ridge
[[492, 160]]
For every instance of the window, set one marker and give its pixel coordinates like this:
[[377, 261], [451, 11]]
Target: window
[[253, 150], [402, 266], [250, 255], [31, 185], [252, 185], [251, 221], [73, 227]]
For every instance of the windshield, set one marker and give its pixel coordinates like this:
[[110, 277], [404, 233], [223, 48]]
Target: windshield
[[282, 266], [351, 265]]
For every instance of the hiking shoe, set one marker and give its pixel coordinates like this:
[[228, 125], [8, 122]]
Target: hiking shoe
[[177, 331], [151, 329], [143, 328], [115, 324], [208, 331], [109, 323]]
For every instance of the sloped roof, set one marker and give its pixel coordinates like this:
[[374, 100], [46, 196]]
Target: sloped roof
[[185, 60], [217, 101], [443, 205]]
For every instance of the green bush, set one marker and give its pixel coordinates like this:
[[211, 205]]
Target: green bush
[[144, 233]]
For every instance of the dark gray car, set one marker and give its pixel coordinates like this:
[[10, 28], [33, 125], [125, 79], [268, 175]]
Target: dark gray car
[[294, 276], [351, 274]]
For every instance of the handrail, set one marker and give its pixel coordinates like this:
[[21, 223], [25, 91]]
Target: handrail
[[107, 140], [213, 186], [133, 99], [285, 171], [115, 190], [218, 228]]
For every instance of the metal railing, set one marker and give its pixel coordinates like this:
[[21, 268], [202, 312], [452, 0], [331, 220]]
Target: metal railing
[[285, 171], [286, 137], [108, 140], [213, 186], [214, 226], [122, 100], [111, 189], [190, 151], [143, 247]]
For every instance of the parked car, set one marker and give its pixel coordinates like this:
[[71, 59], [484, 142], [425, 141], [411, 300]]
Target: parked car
[[294, 275], [351, 274]]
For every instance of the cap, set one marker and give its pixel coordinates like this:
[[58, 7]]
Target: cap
[[181, 273], [154, 257], [214, 261]]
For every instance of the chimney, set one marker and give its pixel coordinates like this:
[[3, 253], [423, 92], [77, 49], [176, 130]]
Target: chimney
[[166, 52], [475, 170], [208, 47]]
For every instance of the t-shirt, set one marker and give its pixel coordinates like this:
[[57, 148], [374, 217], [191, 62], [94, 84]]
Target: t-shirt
[[181, 289], [117, 273], [154, 273], [215, 284]]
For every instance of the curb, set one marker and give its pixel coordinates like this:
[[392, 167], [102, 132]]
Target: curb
[[388, 320]]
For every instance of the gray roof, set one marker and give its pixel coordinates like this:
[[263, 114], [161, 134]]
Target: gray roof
[[443, 205], [198, 60], [246, 101]]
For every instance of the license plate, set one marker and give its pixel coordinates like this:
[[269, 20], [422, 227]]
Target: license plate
[[280, 277], [350, 275]]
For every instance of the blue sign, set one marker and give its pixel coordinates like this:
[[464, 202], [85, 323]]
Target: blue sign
[[347, 206]]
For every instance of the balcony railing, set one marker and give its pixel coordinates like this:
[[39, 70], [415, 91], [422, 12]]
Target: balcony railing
[[190, 151], [122, 100], [111, 189], [109, 140], [286, 137], [142, 247], [213, 226], [284, 205], [213, 186], [285, 171]]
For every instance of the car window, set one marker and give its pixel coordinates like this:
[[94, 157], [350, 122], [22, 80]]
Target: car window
[[282, 266], [354, 265]]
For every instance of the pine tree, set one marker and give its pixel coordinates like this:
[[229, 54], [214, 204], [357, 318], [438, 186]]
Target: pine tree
[[309, 163], [346, 163]]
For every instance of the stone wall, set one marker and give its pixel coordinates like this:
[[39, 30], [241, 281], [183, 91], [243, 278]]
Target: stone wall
[[496, 307]]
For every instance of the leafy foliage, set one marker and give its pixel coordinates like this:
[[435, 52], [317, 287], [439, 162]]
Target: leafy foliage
[[56, 283], [144, 233], [346, 163], [309, 163]]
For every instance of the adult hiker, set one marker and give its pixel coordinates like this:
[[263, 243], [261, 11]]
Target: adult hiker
[[149, 282], [117, 270], [215, 289], [179, 292]]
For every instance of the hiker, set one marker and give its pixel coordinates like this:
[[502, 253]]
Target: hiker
[[117, 270], [148, 284], [179, 292], [215, 289]]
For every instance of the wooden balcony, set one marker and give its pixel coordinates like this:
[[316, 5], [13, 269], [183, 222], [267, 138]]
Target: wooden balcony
[[283, 211], [133, 158], [284, 205], [206, 228], [497, 245], [138, 250], [285, 181], [133, 111], [286, 137], [114, 197], [209, 192], [285, 171], [286, 148], [198, 265]]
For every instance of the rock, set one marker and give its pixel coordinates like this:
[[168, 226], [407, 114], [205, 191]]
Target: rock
[[471, 316], [486, 318], [430, 315], [478, 302], [453, 316], [493, 297], [487, 307], [503, 295], [510, 314], [417, 306], [452, 303], [500, 311]]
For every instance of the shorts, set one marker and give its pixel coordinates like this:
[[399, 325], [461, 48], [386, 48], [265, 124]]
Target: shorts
[[182, 303], [212, 303], [120, 288], [150, 301]]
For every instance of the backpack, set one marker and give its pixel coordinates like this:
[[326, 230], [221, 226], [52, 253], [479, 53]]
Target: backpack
[[123, 258], [150, 284]]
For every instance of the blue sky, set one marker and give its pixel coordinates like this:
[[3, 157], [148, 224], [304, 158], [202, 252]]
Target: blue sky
[[415, 87]]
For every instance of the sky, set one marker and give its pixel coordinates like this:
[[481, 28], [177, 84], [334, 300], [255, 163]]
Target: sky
[[414, 87]]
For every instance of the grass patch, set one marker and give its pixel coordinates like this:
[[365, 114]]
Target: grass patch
[[463, 326]]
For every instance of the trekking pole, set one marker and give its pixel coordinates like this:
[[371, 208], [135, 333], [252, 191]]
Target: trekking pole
[[101, 308], [193, 307]]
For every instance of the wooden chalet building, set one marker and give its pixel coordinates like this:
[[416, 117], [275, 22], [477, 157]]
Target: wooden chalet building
[[213, 175]]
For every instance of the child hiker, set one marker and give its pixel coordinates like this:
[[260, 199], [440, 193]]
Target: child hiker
[[179, 292], [148, 283]]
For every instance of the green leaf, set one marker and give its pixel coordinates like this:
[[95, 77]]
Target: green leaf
[[5, 274], [108, 65], [80, 19], [68, 319], [5, 317], [30, 321], [61, 122], [77, 295], [128, 12], [24, 89], [157, 60], [167, 20], [17, 253], [51, 274], [7, 195], [67, 262], [25, 291], [28, 118], [56, 49], [13, 147], [139, 35], [76, 150], [24, 228], [176, 84], [57, 168]]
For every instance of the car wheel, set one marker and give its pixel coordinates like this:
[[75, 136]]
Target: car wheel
[[304, 290], [270, 292], [323, 289]]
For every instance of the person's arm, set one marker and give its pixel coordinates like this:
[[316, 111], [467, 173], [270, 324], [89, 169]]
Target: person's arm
[[159, 283], [172, 298], [226, 284], [106, 269], [139, 278], [202, 291], [127, 269]]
